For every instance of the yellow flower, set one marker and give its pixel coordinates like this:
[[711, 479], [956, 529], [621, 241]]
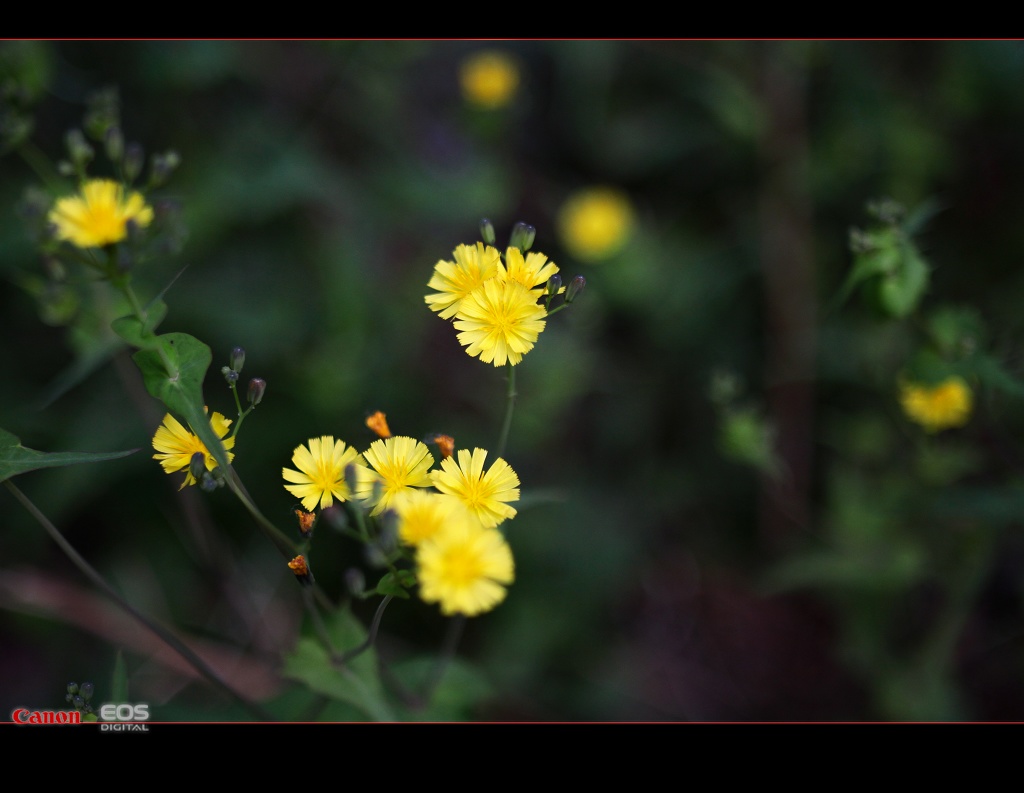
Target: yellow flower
[[176, 445], [321, 475], [99, 215], [423, 514], [485, 494], [500, 321], [400, 463], [595, 223], [465, 569], [533, 271], [489, 78], [937, 407], [473, 265]]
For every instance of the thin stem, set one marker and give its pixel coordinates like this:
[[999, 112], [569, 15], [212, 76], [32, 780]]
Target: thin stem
[[286, 547], [451, 642], [165, 635], [371, 637], [509, 408]]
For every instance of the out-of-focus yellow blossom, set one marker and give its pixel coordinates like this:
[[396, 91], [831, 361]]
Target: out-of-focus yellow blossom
[[595, 223], [940, 406], [489, 78]]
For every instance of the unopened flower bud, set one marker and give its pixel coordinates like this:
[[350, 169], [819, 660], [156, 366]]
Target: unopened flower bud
[[335, 517], [114, 141], [523, 235], [487, 232], [306, 521], [237, 358], [86, 691], [208, 483], [378, 422], [229, 374], [257, 387], [133, 159], [79, 149], [197, 465], [575, 287], [554, 284], [72, 689], [301, 569], [355, 581], [163, 166], [351, 477]]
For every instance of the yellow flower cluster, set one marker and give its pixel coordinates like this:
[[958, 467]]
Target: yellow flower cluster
[[494, 303], [937, 407], [447, 515]]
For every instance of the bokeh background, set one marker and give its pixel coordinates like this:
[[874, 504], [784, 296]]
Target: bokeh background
[[725, 516]]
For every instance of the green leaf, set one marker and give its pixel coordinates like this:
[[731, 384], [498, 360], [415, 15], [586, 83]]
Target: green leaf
[[901, 291], [138, 333], [16, 459], [181, 389], [992, 373], [356, 683]]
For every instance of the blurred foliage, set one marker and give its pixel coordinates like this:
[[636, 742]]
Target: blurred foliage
[[794, 550]]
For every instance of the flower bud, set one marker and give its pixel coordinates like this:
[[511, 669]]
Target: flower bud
[[523, 235], [163, 166], [257, 387], [133, 158], [79, 149], [114, 142], [554, 284], [487, 232], [237, 358], [355, 581], [72, 689], [351, 477], [378, 422], [197, 465], [86, 691], [229, 374], [575, 287], [306, 521], [301, 569]]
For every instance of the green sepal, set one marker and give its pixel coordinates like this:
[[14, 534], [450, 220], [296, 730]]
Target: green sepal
[[396, 584], [140, 333], [16, 459], [181, 390]]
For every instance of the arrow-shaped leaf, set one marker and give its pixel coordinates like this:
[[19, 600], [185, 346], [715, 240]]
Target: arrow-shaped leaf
[[16, 459]]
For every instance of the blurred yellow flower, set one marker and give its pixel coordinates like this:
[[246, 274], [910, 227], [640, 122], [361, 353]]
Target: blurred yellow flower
[[423, 514], [489, 78], [937, 407], [99, 215], [175, 445], [596, 223], [465, 569]]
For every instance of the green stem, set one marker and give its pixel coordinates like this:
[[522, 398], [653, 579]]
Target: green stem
[[287, 548], [38, 162], [165, 635], [371, 637], [509, 408]]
